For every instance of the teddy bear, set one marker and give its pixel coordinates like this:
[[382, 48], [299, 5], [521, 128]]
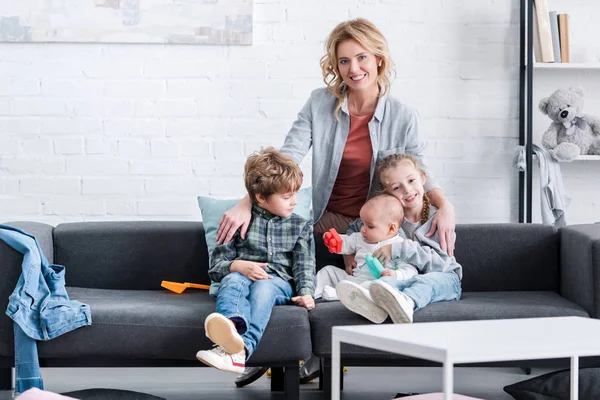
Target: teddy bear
[[571, 132]]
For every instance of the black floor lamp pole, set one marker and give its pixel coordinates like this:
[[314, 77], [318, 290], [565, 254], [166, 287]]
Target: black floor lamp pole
[[522, 75], [529, 144]]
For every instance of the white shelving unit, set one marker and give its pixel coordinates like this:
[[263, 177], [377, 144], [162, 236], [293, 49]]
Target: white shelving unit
[[568, 66], [539, 80]]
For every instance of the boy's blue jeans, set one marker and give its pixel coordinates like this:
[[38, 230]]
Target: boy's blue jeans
[[428, 288], [239, 297]]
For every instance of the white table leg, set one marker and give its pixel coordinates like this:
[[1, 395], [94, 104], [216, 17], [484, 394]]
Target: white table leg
[[335, 368], [448, 380], [574, 378]]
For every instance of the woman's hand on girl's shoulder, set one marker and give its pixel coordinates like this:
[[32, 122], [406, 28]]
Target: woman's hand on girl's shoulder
[[444, 222]]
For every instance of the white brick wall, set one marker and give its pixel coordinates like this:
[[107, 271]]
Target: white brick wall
[[122, 132]]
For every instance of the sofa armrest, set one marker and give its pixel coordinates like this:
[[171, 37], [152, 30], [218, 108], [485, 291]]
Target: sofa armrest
[[580, 266], [42, 232], [10, 270]]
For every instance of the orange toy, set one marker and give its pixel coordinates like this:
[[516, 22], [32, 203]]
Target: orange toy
[[333, 241], [180, 287]]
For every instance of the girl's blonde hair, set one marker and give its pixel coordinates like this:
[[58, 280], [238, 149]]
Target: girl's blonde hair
[[365, 33], [392, 161]]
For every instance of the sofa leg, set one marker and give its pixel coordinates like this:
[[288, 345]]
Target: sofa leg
[[292, 382], [527, 370], [277, 382], [6, 382], [321, 374]]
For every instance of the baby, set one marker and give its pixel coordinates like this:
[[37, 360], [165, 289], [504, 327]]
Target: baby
[[382, 216]]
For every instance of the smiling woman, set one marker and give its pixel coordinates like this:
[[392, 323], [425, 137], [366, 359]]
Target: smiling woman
[[351, 125]]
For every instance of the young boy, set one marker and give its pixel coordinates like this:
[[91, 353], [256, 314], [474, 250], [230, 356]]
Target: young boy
[[272, 266]]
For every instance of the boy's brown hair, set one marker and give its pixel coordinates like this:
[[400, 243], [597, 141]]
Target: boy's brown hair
[[269, 171]]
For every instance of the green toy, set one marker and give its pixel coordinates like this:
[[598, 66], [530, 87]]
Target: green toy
[[374, 266]]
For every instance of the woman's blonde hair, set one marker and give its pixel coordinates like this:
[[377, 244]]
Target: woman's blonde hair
[[269, 171], [392, 161], [365, 33]]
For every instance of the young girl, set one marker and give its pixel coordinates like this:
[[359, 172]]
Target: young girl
[[440, 277]]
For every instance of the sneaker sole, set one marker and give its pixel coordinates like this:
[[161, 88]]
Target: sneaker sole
[[219, 331], [389, 303], [352, 301], [309, 378], [207, 363], [252, 378]]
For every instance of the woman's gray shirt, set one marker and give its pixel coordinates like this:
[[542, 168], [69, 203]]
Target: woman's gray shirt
[[394, 128]]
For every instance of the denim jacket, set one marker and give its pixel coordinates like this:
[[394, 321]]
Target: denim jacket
[[39, 306], [394, 128]]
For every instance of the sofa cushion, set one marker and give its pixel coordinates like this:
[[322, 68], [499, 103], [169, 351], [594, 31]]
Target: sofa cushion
[[37, 394], [112, 394], [212, 209], [134, 255], [157, 324], [556, 386], [506, 257], [472, 306]]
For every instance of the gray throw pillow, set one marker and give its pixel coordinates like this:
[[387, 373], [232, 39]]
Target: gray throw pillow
[[557, 386], [110, 394]]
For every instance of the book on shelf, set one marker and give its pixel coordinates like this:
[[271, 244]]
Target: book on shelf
[[563, 30], [555, 36], [537, 50], [544, 31]]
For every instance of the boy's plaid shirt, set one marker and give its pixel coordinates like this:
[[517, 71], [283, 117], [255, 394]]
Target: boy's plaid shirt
[[285, 243]]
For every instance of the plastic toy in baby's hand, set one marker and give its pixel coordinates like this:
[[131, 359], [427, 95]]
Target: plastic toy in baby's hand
[[333, 241], [374, 266]]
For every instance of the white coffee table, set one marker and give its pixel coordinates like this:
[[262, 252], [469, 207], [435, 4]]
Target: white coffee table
[[462, 342]]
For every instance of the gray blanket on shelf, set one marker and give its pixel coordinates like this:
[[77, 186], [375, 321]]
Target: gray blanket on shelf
[[553, 198]]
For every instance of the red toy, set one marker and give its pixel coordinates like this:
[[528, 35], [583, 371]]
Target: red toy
[[333, 241]]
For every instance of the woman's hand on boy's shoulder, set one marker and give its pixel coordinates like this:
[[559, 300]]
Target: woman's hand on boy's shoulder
[[236, 218], [305, 301]]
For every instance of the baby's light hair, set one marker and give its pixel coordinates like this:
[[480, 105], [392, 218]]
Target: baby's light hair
[[392, 206], [269, 171], [392, 161]]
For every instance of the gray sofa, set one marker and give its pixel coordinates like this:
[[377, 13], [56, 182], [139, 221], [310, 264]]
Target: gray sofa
[[510, 271]]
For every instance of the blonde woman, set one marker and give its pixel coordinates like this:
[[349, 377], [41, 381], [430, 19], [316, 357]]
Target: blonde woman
[[351, 124]]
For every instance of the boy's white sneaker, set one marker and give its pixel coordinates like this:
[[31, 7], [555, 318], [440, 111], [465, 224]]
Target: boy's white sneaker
[[218, 358], [399, 306], [221, 331], [357, 299]]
